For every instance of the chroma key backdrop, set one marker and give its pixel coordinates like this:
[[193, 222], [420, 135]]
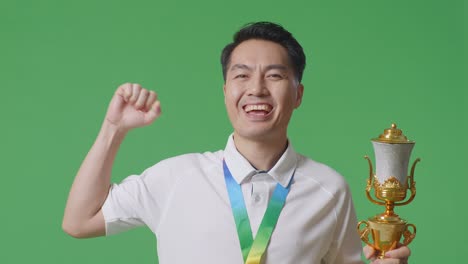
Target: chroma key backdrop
[[370, 63]]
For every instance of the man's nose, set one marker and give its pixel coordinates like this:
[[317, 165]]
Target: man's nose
[[258, 86]]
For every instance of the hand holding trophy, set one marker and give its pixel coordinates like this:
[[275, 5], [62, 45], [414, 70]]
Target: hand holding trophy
[[391, 183]]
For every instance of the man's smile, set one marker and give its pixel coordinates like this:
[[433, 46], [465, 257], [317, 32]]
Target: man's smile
[[259, 109]]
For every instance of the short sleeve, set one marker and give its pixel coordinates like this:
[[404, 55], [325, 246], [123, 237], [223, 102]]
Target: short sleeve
[[126, 205], [346, 246], [143, 199]]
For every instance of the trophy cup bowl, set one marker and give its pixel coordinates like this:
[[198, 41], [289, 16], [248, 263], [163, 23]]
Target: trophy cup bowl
[[391, 183]]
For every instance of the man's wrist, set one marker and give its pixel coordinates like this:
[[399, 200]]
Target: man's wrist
[[112, 133]]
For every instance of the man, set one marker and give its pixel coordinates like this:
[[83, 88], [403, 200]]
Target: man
[[215, 207]]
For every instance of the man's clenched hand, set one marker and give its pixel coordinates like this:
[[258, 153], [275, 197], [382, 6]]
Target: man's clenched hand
[[399, 255], [133, 106]]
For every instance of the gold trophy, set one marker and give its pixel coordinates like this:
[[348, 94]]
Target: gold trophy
[[391, 183]]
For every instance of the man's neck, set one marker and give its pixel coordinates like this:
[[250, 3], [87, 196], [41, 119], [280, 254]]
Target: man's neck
[[264, 154]]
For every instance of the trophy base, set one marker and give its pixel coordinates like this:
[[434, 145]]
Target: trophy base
[[386, 232]]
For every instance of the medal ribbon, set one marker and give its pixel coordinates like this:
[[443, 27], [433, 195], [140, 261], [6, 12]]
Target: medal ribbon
[[252, 250]]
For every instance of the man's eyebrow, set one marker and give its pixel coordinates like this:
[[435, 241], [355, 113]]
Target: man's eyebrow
[[276, 67], [240, 66], [269, 67]]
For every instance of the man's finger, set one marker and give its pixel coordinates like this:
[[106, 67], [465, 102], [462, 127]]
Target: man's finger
[[141, 100], [150, 101], [136, 88], [156, 107], [153, 113], [124, 91], [369, 252], [399, 253]]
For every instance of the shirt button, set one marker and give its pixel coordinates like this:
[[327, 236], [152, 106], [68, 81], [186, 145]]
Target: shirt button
[[257, 198]]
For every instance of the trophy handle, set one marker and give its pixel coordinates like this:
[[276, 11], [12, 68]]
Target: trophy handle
[[369, 182], [364, 233], [408, 235], [411, 184]]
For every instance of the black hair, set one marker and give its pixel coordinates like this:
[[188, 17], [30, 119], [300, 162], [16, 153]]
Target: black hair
[[271, 32]]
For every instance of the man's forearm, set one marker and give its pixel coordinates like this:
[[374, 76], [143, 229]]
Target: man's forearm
[[91, 185]]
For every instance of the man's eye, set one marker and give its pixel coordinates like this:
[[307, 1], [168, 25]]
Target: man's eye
[[275, 76], [241, 76]]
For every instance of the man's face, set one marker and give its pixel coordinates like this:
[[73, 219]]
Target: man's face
[[261, 91]]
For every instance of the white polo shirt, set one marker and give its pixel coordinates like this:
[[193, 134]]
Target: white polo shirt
[[184, 201]]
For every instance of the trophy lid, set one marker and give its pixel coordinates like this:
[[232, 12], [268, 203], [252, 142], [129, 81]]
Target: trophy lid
[[393, 135]]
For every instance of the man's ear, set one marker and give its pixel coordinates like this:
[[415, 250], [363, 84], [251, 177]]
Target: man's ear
[[299, 93], [224, 92]]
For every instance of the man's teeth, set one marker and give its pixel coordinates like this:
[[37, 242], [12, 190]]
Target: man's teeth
[[260, 107]]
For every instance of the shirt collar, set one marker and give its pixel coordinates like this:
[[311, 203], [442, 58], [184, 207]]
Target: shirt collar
[[240, 167]]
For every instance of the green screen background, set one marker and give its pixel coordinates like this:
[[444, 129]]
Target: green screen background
[[370, 63]]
